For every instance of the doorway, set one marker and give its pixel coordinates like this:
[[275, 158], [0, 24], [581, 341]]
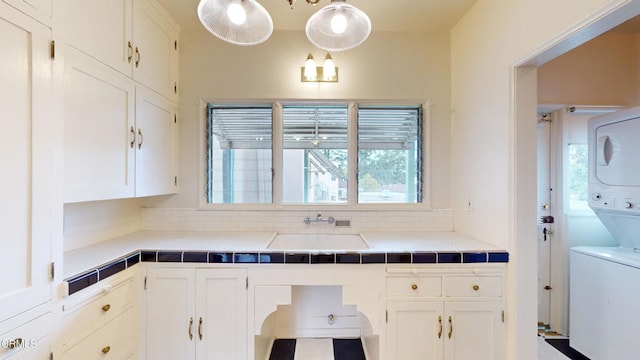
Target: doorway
[[524, 112]]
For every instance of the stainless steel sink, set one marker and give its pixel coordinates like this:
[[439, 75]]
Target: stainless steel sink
[[336, 242]]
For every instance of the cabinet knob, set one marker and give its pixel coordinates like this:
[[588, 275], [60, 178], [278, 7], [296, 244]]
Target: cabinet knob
[[414, 286], [14, 343], [106, 308], [106, 349], [476, 287]]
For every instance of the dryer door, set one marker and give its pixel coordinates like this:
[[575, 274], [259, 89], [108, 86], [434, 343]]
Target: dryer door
[[618, 153]]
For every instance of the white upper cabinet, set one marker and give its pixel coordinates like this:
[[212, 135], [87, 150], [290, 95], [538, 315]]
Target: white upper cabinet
[[100, 131], [137, 38], [120, 85], [40, 10], [156, 144], [26, 148], [102, 30], [120, 140], [155, 53]]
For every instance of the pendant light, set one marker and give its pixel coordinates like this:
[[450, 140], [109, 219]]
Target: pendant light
[[240, 22], [338, 26]]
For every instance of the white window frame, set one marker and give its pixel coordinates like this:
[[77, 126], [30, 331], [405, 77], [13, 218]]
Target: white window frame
[[352, 148]]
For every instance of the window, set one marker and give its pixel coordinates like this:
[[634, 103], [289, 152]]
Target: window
[[239, 161], [314, 154], [578, 177], [389, 155]]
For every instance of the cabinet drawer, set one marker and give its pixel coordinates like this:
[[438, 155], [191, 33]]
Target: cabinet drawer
[[414, 286], [26, 341], [108, 303], [114, 341], [473, 286]]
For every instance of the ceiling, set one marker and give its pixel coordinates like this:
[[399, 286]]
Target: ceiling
[[390, 15]]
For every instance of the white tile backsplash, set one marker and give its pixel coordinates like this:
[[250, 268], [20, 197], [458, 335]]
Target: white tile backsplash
[[291, 221]]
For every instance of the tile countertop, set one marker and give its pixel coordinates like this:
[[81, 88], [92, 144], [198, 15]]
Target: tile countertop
[[83, 259]]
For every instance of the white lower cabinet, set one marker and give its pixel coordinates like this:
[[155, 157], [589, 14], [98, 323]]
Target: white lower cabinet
[[101, 322], [451, 315], [444, 330], [196, 314]]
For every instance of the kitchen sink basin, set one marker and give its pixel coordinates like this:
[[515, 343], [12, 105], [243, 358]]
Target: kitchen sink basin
[[335, 242]]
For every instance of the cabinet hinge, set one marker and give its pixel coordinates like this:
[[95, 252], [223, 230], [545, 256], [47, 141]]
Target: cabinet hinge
[[145, 283], [53, 49], [246, 283], [502, 315], [386, 315], [52, 271]]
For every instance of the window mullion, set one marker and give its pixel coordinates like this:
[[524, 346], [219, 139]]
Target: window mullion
[[277, 148], [352, 153]]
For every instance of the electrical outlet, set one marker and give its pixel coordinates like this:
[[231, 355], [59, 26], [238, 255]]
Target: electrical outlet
[[469, 204]]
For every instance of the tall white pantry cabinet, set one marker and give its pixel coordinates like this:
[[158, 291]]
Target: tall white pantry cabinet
[[27, 210], [84, 117]]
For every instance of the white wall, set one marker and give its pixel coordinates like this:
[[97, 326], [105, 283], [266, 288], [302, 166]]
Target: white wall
[[388, 66], [603, 71], [92, 222], [493, 158]]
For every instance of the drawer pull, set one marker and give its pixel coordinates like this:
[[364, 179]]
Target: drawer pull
[[476, 287], [137, 62], [14, 343], [130, 55], [106, 349], [414, 286], [106, 308], [132, 137]]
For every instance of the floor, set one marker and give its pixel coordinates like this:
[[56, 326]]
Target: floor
[[548, 352], [321, 349]]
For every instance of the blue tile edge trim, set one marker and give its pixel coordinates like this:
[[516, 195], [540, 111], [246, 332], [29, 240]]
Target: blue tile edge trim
[[92, 276], [85, 279]]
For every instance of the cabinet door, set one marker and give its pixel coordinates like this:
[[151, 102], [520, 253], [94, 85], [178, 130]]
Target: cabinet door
[[25, 157], [475, 330], [40, 10], [101, 29], [156, 54], [415, 330], [171, 323], [157, 138], [99, 143], [222, 306]]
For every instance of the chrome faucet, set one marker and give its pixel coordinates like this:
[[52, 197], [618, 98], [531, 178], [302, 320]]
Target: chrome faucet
[[319, 218]]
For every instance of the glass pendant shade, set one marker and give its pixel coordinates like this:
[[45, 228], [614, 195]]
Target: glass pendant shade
[[240, 22], [338, 26]]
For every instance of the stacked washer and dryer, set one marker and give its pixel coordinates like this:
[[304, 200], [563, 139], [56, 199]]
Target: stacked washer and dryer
[[604, 295]]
